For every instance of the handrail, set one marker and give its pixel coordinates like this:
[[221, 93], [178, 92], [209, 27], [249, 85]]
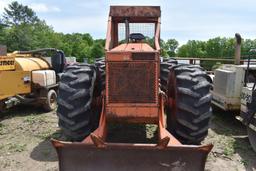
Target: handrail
[[157, 36], [208, 59], [108, 36]]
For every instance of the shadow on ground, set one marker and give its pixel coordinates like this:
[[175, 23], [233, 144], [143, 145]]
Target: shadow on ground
[[244, 149], [45, 151], [21, 110], [224, 123], [132, 133]]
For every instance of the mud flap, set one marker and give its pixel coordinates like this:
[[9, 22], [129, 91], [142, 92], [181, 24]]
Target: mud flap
[[126, 157]]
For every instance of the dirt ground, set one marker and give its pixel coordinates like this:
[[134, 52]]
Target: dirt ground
[[25, 133]]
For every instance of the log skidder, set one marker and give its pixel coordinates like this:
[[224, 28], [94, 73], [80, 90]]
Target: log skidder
[[188, 107], [123, 88]]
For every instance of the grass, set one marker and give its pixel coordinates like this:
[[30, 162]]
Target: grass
[[2, 128], [227, 145], [45, 134], [32, 119], [244, 162], [16, 147]]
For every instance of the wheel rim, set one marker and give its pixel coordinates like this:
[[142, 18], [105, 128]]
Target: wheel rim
[[53, 101], [252, 137]]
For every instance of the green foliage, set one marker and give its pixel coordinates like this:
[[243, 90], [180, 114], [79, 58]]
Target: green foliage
[[21, 29], [171, 46], [17, 14], [213, 48], [97, 50]]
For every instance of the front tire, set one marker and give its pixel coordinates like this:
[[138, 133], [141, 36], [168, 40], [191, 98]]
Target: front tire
[[75, 101], [101, 74], [189, 112], [164, 72]]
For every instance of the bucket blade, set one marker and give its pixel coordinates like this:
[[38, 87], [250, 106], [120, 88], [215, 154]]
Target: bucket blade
[[124, 157]]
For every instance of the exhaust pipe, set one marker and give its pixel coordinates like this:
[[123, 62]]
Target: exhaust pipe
[[238, 49]]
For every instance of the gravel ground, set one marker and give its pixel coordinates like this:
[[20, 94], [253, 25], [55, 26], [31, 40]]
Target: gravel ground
[[25, 133]]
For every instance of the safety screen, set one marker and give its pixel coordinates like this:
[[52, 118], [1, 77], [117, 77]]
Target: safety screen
[[147, 29]]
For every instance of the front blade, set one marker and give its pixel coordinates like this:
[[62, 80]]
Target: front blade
[[126, 157]]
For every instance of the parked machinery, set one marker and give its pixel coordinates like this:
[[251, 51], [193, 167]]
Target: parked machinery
[[234, 90], [124, 88], [27, 78], [248, 105]]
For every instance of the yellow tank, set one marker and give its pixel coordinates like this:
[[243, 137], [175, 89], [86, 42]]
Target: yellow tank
[[18, 81], [30, 64]]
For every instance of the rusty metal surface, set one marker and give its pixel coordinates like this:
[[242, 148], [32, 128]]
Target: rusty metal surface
[[133, 47], [94, 153], [132, 114], [135, 11], [127, 157], [143, 56], [132, 82]]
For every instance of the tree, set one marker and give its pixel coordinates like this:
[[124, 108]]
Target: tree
[[164, 49], [171, 45], [248, 44], [100, 41], [97, 51], [25, 31], [19, 38], [193, 48], [2, 32], [17, 14], [183, 51], [214, 47]]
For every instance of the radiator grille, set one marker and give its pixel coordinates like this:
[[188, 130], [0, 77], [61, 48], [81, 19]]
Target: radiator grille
[[143, 56], [132, 82]]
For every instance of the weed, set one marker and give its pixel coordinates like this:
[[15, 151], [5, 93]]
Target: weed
[[229, 147], [2, 128], [56, 135], [244, 162], [44, 135], [16, 147], [32, 119]]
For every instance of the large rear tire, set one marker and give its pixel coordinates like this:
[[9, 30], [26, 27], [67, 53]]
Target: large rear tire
[[189, 112], [75, 101], [164, 71], [101, 74]]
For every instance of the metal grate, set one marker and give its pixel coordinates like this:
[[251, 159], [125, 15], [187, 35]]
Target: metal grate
[[132, 82], [147, 29], [143, 56]]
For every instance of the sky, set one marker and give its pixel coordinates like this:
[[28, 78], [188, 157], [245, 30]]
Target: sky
[[182, 20]]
